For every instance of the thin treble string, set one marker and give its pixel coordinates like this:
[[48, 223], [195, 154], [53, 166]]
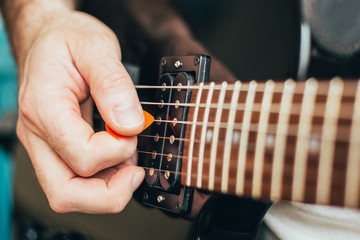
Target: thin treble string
[[272, 129], [257, 107], [260, 88]]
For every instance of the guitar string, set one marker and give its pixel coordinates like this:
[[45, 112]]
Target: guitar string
[[257, 107], [251, 147], [260, 88], [272, 128]]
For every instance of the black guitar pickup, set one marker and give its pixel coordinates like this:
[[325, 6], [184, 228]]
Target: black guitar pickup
[[161, 152]]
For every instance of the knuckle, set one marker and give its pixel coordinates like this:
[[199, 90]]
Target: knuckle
[[113, 82], [58, 203], [84, 167]]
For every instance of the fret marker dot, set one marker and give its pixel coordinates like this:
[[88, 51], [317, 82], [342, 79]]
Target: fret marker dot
[[151, 171], [161, 103], [167, 174], [314, 145], [172, 139], [153, 155], [270, 141], [164, 85], [236, 137], [156, 137], [209, 135], [169, 157], [174, 122]]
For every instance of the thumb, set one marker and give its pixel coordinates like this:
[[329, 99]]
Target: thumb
[[112, 89]]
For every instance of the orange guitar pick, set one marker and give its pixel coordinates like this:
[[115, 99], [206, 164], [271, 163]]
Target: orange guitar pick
[[149, 119]]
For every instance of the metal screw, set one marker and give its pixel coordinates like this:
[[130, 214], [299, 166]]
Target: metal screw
[[158, 122], [169, 157], [164, 85], [151, 171], [156, 137], [154, 154], [160, 198], [177, 102], [174, 122], [196, 61], [145, 196], [163, 62], [167, 174], [161, 103], [177, 206], [178, 64], [172, 139], [179, 85]]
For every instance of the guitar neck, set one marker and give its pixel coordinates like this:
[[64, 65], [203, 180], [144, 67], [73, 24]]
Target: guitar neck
[[297, 141]]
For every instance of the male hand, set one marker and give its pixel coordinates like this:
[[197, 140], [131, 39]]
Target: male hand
[[73, 57]]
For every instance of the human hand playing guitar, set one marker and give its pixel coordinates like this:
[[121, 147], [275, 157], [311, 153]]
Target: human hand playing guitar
[[65, 57]]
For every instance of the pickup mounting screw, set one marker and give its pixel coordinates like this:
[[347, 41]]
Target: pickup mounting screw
[[145, 196], [160, 198], [196, 61], [163, 62], [178, 64]]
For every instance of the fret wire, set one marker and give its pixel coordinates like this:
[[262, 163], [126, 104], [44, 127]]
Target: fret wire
[[280, 140], [228, 138], [352, 183], [203, 134], [193, 128], [240, 177], [302, 144], [327, 148], [261, 139], [214, 143]]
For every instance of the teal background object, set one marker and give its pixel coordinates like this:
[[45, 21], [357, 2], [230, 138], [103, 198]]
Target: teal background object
[[8, 104]]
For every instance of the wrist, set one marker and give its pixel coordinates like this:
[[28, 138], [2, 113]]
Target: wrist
[[25, 20]]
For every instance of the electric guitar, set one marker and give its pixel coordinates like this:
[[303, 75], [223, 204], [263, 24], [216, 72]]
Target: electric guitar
[[296, 141]]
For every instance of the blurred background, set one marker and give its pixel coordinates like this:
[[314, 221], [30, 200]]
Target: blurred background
[[255, 39]]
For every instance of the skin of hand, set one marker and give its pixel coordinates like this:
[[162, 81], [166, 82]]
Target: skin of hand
[[75, 56]]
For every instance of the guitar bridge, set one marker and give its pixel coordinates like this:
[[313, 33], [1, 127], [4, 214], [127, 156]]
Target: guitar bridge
[[160, 147]]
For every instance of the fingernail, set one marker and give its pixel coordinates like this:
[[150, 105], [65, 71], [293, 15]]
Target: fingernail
[[137, 180], [128, 116]]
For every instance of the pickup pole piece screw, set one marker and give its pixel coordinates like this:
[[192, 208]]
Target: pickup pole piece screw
[[156, 137], [172, 139], [151, 171], [153, 155], [160, 198], [164, 87], [196, 61], [178, 64], [163, 62], [161, 105], [167, 174], [179, 85]]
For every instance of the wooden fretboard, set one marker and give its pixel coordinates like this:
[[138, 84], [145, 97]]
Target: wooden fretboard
[[297, 141]]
